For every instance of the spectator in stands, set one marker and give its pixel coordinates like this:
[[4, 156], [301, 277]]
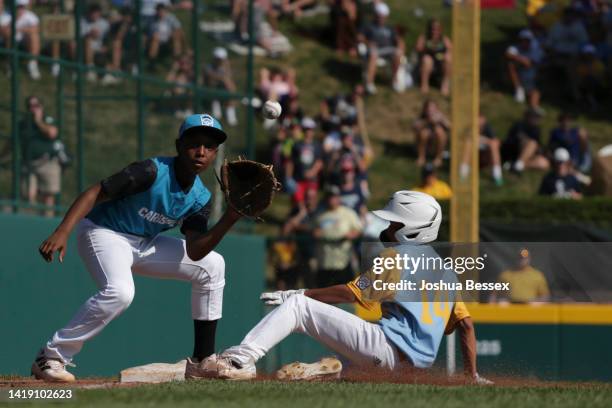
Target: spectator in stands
[[302, 172], [431, 129], [352, 195], [524, 59], [343, 16], [27, 26], [284, 257], [339, 109], [281, 151], [334, 230], [574, 139], [165, 33], [432, 185], [301, 219], [435, 53], [590, 77], [94, 29], [560, 182], [148, 10], [265, 22], [41, 152], [294, 8], [527, 284], [522, 148], [565, 39], [277, 84], [382, 42], [489, 152], [293, 111], [5, 26], [182, 73], [124, 37], [349, 158], [218, 75], [299, 224], [567, 36]]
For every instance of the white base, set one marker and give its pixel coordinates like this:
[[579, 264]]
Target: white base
[[154, 373]]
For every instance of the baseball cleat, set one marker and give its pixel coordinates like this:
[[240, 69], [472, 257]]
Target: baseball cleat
[[326, 368], [230, 370], [50, 369], [207, 368]]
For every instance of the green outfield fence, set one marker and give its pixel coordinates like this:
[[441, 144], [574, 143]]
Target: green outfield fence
[[106, 128]]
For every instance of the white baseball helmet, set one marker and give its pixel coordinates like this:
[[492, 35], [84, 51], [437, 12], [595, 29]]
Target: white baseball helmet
[[419, 212]]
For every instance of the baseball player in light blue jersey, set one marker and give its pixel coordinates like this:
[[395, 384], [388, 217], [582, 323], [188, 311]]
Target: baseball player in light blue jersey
[[408, 333], [118, 222]]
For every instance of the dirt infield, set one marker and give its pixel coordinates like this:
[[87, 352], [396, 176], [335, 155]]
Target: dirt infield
[[86, 383], [436, 377], [353, 375]]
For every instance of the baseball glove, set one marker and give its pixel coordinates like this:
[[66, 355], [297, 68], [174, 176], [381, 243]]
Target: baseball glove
[[249, 186]]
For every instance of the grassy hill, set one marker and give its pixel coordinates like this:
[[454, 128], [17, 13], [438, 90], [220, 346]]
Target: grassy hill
[[110, 113]]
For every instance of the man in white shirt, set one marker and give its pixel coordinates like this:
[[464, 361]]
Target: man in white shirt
[[523, 60], [165, 30], [5, 26], [27, 33], [94, 29]]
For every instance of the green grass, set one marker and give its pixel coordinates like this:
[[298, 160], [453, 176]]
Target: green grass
[[270, 394]]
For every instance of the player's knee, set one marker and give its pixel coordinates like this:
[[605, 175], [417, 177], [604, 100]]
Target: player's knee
[[297, 301], [216, 264], [212, 271], [122, 297]]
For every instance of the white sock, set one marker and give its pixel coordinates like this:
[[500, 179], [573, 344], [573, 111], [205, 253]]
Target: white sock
[[230, 114], [519, 165], [497, 172], [216, 109]]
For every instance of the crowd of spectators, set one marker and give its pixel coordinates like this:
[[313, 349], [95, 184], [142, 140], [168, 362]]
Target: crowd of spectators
[[108, 33], [323, 157], [571, 46], [323, 162]]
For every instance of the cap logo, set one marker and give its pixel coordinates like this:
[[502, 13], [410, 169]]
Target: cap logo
[[363, 282], [206, 120]]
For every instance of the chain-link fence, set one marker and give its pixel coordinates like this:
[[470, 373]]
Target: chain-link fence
[[112, 98]]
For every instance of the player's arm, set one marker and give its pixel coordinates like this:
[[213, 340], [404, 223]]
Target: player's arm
[[332, 294], [135, 178], [461, 321], [78, 210], [199, 243], [467, 337]]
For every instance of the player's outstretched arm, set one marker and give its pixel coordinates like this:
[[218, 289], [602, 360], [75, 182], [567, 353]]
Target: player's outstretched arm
[[332, 294], [78, 210], [467, 335], [199, 245]]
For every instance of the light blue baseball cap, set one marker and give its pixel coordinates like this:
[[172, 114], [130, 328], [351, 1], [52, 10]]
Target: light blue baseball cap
[[205, 122]]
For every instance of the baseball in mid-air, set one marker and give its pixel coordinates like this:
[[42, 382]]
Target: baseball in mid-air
[[272, 110]]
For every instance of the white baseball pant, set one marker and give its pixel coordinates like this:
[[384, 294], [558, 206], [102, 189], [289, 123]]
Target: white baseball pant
[[360, 342], [111, 258]]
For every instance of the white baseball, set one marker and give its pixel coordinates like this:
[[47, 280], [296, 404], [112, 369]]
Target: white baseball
[[272, 110]]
